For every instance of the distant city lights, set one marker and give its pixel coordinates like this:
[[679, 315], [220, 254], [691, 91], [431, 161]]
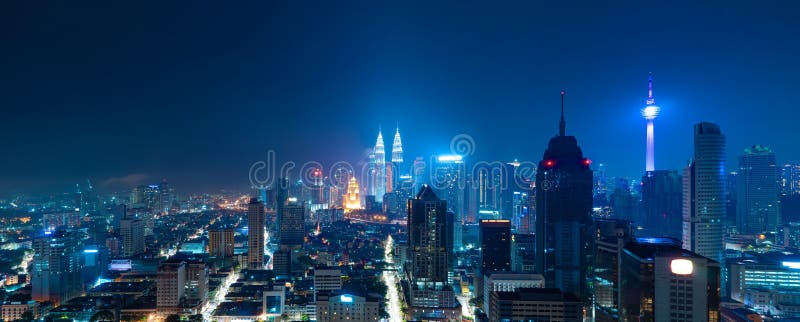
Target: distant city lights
[[450, 158]]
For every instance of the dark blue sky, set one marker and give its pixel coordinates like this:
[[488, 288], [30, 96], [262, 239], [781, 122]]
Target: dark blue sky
[[196, 92]]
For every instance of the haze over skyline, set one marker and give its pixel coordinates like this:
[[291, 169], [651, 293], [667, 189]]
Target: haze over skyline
[[126, 94]]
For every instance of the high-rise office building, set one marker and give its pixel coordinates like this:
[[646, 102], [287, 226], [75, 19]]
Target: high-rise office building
[[659, 281], [704, 193], [662, 196], [757, 191], [563, 214], [430, 238], [380, 168], [170, 285], [495, 236], [449, 181], [132, 232], [650, 112], [789, 179], [167, 197], [523, 251], [293, 230], [612, 235], [196, 287], [220, 242], [255, 234], [56, 267]]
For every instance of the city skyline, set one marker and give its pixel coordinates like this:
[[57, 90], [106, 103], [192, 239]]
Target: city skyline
[[225, 117], [378, 161]]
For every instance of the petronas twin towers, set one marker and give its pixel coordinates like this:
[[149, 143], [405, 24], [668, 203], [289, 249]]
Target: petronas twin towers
[[381, 179]]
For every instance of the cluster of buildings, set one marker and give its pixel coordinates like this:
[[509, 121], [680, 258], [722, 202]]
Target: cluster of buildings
[[472, 240]]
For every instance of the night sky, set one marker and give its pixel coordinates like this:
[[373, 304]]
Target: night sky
[[125, 94]]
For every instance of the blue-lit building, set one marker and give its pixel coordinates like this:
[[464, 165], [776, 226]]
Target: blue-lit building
[[430, 236], [56, 267], [757, 193], [766, 282], [448, 179], [704, 186]]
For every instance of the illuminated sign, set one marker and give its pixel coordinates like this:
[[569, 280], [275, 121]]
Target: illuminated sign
[[681, 267], [346, 299], [449, 158], [90, 251], [793, 265], [120, 265]]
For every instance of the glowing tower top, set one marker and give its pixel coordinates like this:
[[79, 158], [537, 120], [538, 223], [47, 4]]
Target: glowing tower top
[[650, 112], [397, 148], [380, 168]]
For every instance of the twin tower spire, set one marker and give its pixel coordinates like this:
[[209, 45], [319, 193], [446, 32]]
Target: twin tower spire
[[397, 147]]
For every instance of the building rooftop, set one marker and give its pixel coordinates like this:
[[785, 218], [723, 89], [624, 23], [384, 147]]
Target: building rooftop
[[241, 308], [646, 248], [121, 287], [537, 294]]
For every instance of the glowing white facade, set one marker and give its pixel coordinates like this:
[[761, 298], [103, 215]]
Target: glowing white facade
[[704, 193], [380, 169], [650, 112], [397, 148]]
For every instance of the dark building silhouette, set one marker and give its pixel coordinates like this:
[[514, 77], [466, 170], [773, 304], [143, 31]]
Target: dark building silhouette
[[495, 246], [612, 235], [662, 203], [757, 191], [659, 281], [563, 210], [255, 234], [292, 226], [430, 239]]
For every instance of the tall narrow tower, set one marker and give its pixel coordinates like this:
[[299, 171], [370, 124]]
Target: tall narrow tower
[[255, 234], [380, 168], [563, 214], [650, 112], [397, 160], [397, 148]]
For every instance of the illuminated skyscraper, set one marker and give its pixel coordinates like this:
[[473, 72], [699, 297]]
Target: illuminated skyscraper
[[650, 112], [704, 193], [563, 214], [789, 179], [56, 267], [220, 242], [757, 200], [132, 231], [397, 148], [255, 234], [449, 181], [352, 199], [430, 238], [380, 168]]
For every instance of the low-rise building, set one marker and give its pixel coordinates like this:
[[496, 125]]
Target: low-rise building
[[335, 306], [535, 304], [12, 311]]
